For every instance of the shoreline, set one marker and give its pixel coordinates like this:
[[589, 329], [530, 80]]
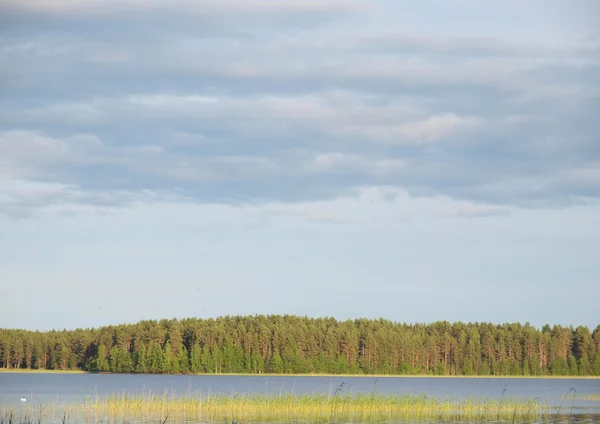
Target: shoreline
[[39, 371], [499, 377]]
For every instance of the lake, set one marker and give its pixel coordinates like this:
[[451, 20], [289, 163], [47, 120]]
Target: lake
[[39, 389]]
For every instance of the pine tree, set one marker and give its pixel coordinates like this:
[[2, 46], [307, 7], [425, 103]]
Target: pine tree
[[584, 365], [167, 362], [113, 359], [141, 359], [125, 360], [156, 358], [467, 368], [206, 360], [217, 359], [573, 368], [596, 368], [102, 364], [196, 359], [293, 344], [183, 360], [276, 364], [526, 370]]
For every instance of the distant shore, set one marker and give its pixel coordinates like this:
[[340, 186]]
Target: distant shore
[[39, 371], [556, 377]]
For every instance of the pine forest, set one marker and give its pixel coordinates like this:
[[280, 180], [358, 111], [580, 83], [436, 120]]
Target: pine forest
[[301, 345]]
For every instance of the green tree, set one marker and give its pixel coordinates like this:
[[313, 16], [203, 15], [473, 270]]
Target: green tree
[[125, 360], [584, 365], [596, 368], [257, 364], [573, 368], [526, 370], [467, 368], [167, 362], [276, 364], [196, 359], [102, 364], [206, 360], [558, 366], [183, 360], [156, 359], [217, 359], [341, 365], [292, 344], [120, 360], [140, 359], [113, 359]]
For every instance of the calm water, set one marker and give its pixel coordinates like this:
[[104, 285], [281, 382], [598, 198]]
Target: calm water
[[66, 388]]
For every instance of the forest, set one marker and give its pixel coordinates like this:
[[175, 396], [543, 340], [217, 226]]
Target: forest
[[298, 345]]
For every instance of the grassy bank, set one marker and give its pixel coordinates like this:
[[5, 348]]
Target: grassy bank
[[258, 408], [46, 371], [39, 371]]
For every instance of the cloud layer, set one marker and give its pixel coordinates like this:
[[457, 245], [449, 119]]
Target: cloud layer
[[105, 104]]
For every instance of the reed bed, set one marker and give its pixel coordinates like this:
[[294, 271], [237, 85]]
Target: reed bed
[[588, 396], [290, 408]]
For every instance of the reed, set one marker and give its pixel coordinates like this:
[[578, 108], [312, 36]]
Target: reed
[[588, 396], [260, 408]]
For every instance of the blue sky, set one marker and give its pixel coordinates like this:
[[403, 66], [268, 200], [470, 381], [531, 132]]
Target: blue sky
[[411, 160]]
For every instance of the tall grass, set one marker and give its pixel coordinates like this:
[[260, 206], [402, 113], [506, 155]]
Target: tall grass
[[588, 396], [293, 408]]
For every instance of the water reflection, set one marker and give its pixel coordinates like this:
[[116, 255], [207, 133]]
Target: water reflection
[[50, 397], [69, 418]]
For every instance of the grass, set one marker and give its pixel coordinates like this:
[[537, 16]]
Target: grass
[[586, 377], [588, 396], [261, 408], [40, 371]]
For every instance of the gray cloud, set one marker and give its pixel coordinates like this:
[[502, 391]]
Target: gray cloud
[[473, 211], [286, 101]]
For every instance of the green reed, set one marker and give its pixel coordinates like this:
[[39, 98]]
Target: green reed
[[588, 396], [289, 407]]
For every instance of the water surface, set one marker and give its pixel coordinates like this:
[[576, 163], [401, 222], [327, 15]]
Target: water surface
[[39, 389]]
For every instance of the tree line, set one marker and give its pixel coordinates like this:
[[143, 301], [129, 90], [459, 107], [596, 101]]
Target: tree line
[[292, 344]]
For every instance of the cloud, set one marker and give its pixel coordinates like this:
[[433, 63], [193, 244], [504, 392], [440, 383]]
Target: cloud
[[433, 128], [328, 219], [28, 198], [470, 210], [583, 181], [31, 154], [457, 48], [294, 102], [448, 44], [149, 18], [62, 7], [23, 198]]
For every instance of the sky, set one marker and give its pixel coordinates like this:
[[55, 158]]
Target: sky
[[409, 160]]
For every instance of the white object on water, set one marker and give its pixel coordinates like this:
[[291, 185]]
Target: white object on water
[[23, 400]]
